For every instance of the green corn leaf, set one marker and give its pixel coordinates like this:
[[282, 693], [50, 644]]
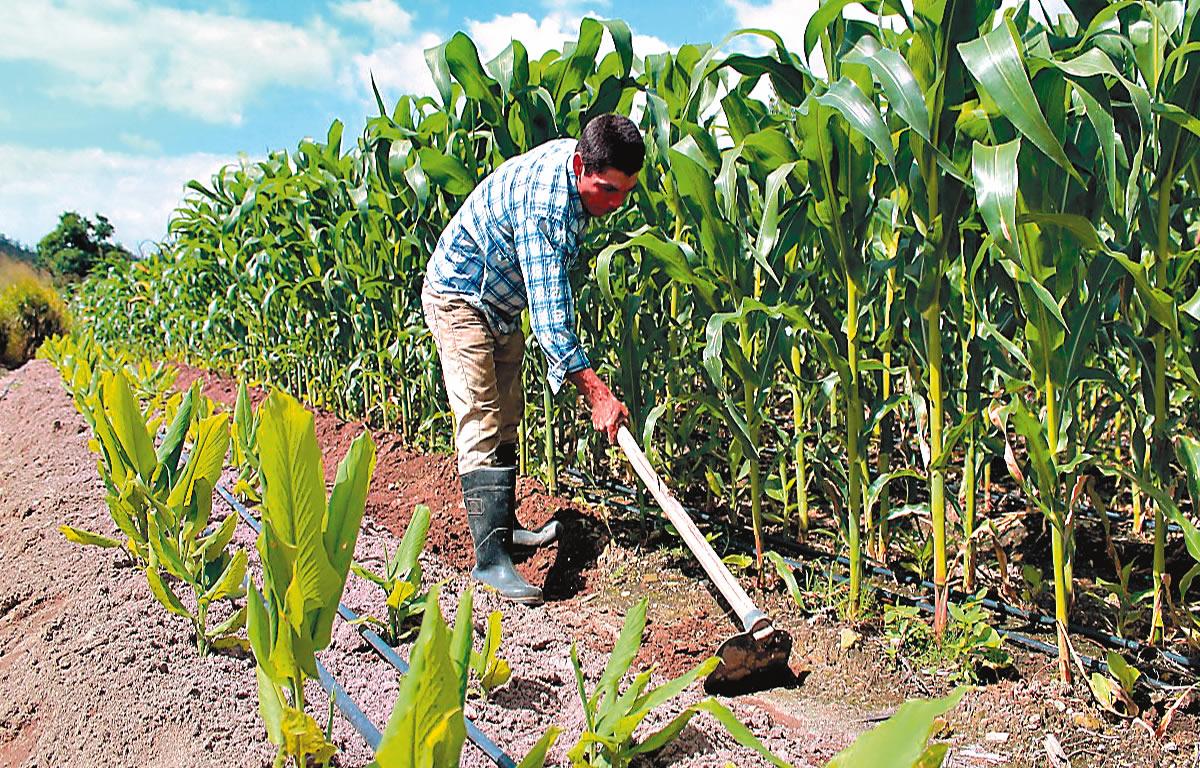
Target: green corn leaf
[[1158, 303], [446, 172], [1187, 449], [900, 741], [996, 64], [462, 60], [87, 538], [994, 170], [901, 86], [845, 97], [510, 68], [1034, 431], [163, 594], [785, 572]]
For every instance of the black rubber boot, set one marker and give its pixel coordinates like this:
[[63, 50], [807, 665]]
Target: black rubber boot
[[488, 495], [506, 456]]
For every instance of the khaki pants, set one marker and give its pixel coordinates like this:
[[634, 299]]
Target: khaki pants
[[482, 371]]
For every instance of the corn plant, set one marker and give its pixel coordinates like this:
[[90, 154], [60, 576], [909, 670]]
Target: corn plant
[[400, 580], [306, 546], [613, 715]]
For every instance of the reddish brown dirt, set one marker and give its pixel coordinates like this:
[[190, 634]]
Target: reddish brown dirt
[[68, 656]]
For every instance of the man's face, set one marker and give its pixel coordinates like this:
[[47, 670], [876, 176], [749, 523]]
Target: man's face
[[604, 191]]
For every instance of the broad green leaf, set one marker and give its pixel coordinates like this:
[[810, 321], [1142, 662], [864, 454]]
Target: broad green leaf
[[994, 170], [172, 444], [995, 62], [536, 757], [87, 538], [230, 583], [1187, 448], [845, 97], [270, 706], [446, 172], [408, 551], [740, 733], [900, 741], [163, 594], [893, 73], [342, 522], [205, 461], [129, 428], [627, 645], [426, 727], [294, 510], [210, 547]]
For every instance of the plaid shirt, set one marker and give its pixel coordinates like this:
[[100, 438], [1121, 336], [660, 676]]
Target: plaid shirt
[[510, 246]]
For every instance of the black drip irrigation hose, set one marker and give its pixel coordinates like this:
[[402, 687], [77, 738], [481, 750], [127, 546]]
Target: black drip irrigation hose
[[1106, 639], [350, 710]]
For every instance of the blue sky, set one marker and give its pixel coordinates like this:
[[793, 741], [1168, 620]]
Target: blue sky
[[110, 106]]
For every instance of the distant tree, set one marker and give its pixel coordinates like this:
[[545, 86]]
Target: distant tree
[[16, 250], [77, 245]]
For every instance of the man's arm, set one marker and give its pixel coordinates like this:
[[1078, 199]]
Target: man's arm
[[608, 413]]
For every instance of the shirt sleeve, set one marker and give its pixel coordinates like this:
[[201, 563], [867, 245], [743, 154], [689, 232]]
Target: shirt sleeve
[[551, 304]]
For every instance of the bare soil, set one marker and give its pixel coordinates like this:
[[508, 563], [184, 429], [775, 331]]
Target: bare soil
[[94, 673]]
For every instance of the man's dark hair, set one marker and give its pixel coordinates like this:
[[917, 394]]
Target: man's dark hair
[[612, 141]]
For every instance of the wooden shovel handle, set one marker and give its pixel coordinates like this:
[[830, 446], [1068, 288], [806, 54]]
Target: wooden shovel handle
[[730, 589]]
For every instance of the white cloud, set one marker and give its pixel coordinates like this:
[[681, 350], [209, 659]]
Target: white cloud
[[386, 19], [136, 192], [399, 69], [128, 54], [539, 36], [139, 143]]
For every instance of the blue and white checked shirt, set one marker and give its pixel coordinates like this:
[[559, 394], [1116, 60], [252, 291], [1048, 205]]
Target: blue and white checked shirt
[[510, 246]]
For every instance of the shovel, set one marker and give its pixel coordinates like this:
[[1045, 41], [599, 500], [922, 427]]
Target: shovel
[[753, 659]]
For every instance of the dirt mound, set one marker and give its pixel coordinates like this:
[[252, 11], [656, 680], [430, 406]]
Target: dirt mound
[[403, 479]]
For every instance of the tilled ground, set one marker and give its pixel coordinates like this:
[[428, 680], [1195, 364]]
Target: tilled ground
[[94, 673]]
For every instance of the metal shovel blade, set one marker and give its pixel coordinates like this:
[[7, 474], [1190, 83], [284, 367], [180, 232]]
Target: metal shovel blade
[[753, 660]]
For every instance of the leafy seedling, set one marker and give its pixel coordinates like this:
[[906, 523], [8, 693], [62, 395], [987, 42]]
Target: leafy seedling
[[487, 668], [612, 716], [400, 580]]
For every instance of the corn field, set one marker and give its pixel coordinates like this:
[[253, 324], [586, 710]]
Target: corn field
[[851, 302]]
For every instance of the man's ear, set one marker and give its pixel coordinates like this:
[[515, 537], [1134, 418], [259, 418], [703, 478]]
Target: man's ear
[[577, 164]]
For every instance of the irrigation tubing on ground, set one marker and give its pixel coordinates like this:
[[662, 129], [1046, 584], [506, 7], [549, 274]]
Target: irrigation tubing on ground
[[385, 652], [998, 606]]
